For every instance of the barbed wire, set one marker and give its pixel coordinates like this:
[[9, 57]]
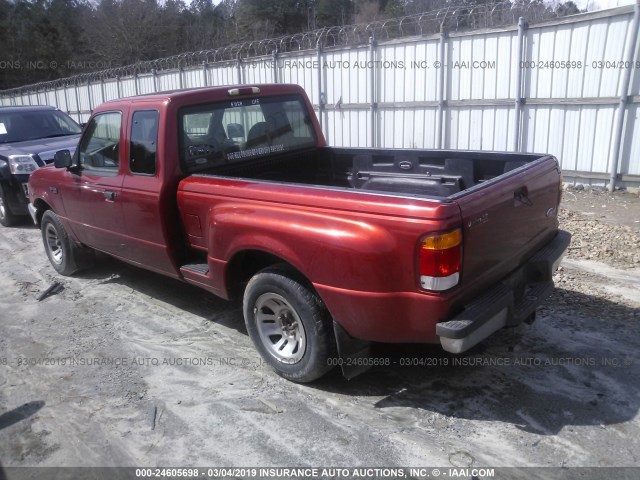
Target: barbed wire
[[448, 19]]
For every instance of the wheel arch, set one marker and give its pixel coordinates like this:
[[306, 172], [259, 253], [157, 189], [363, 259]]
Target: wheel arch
[[41, 207], [244, 264]]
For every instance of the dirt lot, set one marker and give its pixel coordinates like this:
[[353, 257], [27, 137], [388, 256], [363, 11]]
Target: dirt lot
[[165, 374]]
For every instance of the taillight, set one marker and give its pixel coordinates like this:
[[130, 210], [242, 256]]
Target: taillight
[[440, 259]]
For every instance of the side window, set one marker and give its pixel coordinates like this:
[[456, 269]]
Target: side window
[[99, 151], [144, 142]]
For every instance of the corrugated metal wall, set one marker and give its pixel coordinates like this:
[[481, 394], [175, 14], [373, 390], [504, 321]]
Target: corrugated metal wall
[[394, 94]]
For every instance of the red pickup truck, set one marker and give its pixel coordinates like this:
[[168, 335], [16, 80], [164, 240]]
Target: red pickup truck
[[234, 189]]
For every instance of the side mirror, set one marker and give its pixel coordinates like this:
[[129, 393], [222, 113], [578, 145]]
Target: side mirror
[[62, 159], [235, 130]]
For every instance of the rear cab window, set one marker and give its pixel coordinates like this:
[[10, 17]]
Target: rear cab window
[[239, 129]]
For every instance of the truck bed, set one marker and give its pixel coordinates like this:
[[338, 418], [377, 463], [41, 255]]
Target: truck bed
[[431, 173], [505, 203]]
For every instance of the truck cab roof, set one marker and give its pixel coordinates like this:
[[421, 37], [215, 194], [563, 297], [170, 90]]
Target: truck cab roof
[[205, 94]]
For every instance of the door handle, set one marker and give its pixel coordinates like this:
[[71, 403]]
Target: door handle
[[109, 195], [521, 196]]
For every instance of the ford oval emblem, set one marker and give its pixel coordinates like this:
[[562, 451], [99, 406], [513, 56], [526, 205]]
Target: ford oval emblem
[[405, 165]]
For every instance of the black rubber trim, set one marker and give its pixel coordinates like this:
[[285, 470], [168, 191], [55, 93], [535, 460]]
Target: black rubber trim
[[477, 313]]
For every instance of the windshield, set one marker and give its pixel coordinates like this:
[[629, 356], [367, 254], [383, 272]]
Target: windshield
[[240, 129], [19, 126]]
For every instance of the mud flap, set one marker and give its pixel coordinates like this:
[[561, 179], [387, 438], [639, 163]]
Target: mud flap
[[349, 351]]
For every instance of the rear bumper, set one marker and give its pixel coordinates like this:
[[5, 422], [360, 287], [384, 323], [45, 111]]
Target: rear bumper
[[508, 303]]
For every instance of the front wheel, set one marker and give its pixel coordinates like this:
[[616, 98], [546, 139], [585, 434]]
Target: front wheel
[[289, 325], [65, 256], [7, 218]]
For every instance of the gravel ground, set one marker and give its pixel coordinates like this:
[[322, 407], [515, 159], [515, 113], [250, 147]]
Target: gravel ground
[[605, 227], [619, 208], [165, 374]]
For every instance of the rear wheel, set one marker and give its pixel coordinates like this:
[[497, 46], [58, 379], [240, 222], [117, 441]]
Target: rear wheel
[[65, 256], [7, 218], [289, 325]]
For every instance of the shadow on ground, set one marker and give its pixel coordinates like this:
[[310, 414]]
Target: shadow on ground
[[18, 414], [577, 365], [179, 294]]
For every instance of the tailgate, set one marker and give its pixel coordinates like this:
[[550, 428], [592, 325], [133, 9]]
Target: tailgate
[[506, 220]]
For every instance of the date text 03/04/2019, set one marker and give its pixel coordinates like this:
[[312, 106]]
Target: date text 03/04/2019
[[315, 472]]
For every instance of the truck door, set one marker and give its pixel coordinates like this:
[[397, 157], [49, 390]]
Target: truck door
[[92, 195], [149, 197]]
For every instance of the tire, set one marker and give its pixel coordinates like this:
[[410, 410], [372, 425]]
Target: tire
[[7, 218], [289, 325], [65, 255]]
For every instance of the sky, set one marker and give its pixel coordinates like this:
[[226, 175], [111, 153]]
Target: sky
[[602, 4]]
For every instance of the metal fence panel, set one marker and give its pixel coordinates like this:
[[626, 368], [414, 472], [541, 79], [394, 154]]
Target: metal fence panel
[[60, 100], [395, 86], [169, 81], [192, 78], [146, 84], [346, 76], [635, 74], [258, 70], [630, 163], [226, 74], [422, 72], [579, 143], [301, 69], [407, 127], [111, 88], [489, 132], [127, 87], [481, 68], [348, 128]]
